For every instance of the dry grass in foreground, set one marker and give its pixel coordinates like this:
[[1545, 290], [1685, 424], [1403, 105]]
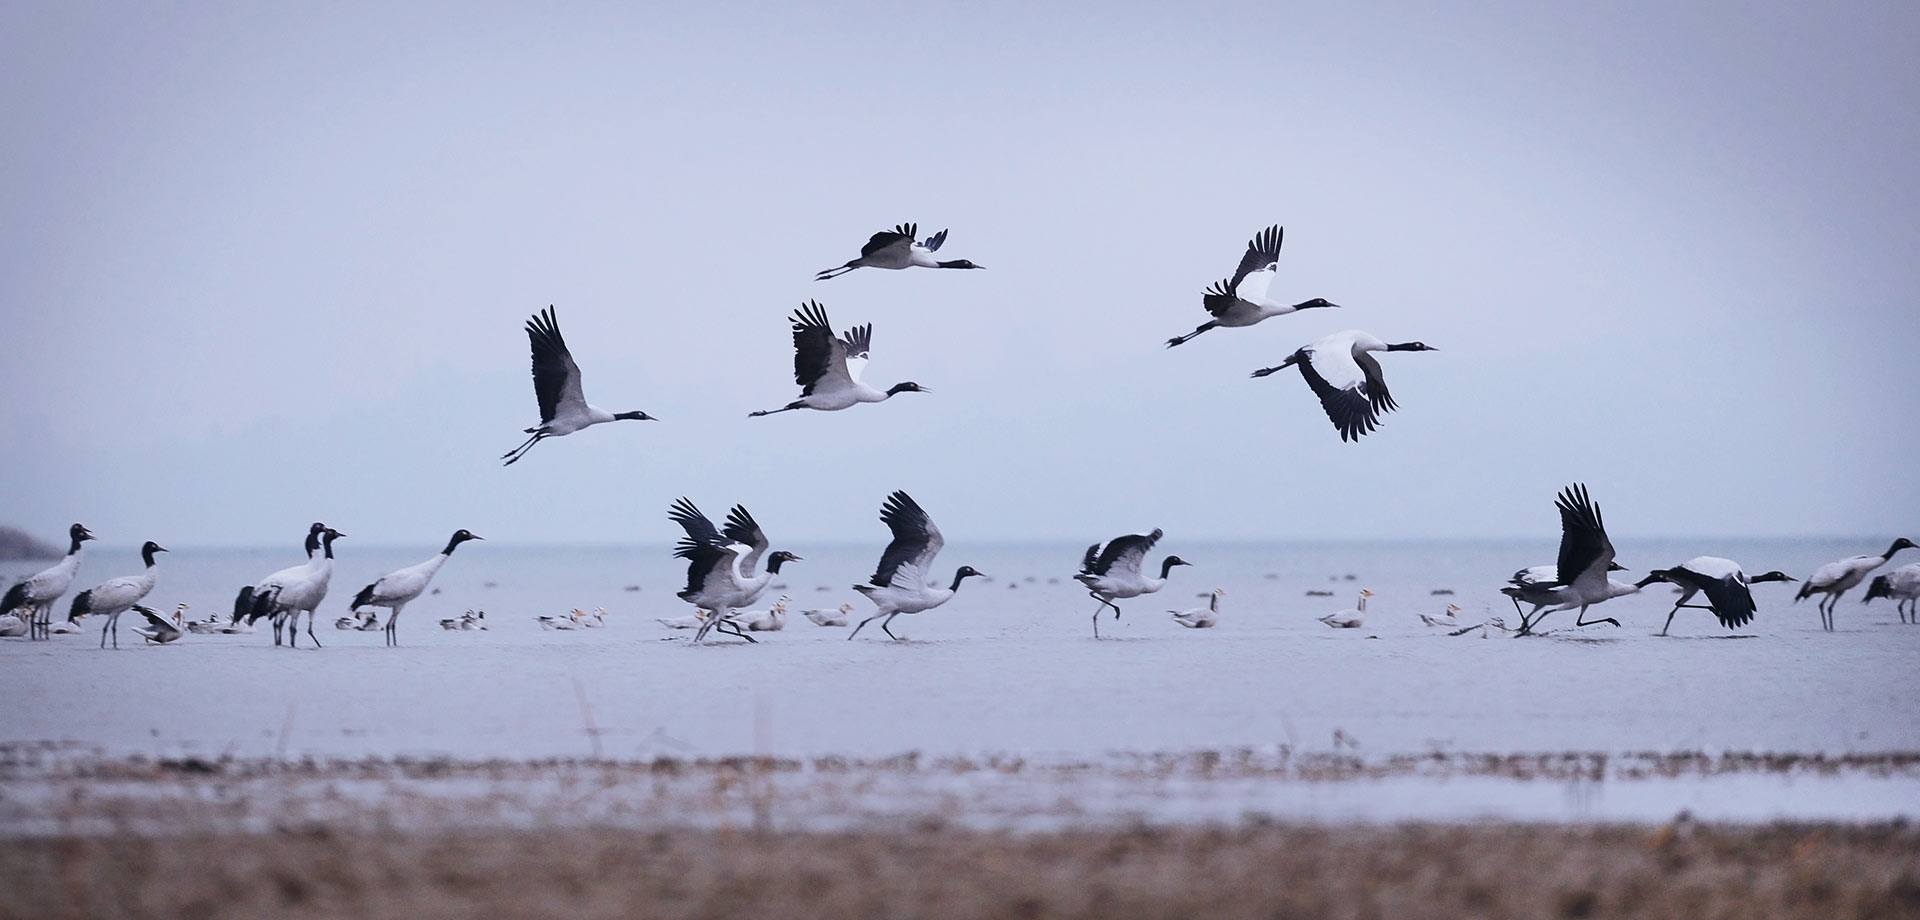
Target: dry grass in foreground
[[1264, 871]]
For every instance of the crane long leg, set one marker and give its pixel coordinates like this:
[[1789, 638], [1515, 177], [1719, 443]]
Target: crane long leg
[[513, 456], [103, 633], [1529, 621], [889, 622], [311, 615], [392, 629], [863, 623], [733, 629], [1676, 609], [1582, 620], [1181, 339]]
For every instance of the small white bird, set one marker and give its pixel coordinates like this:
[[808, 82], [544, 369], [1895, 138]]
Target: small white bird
[[158, 631], [1347, 379], [1242, 299], [1836, 578], [1901, 584], [570, 621], [1201, 617], [1350, 619], [828, 369], [829, 617], [556, 381], [596, 620], [1449, 619], [772, 619], [13, 626], [897, 249]]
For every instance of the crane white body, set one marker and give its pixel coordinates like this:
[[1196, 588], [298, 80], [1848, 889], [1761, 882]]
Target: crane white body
[[897, 249], [1728, 591], [720, 576], [112, 598], [396, 589], [285, 594], [557, 385], [1113, 573], [1586, 556], [1342, 372], [1837, 578], [902, 581], [37, 594], [1903, 586], [828, 368], [1241, 300]]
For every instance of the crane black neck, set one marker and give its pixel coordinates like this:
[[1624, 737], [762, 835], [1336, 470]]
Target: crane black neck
[[326, 543]]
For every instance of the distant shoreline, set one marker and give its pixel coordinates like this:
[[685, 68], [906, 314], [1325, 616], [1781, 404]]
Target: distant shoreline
[[17, 545]]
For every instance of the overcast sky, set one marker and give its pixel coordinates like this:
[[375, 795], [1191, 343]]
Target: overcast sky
[[262, 267]]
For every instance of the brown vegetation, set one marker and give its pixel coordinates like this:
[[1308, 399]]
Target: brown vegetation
[[1256, 870]]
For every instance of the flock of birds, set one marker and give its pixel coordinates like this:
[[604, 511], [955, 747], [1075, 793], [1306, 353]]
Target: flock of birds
[[730, 568]]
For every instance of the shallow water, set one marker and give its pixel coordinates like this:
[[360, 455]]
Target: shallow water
[[1008, 666]]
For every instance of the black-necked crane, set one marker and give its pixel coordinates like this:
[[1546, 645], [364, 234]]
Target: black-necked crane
[[1836, 578], [900, 584], [112, 598], [1903, 586], [828, 368], [1113, 573], [720, 577], [896, 249], [1242, 299], [1341, 370], [1721, 580], [556, 381], [396, 589], [1580, 577], [286, 594], [39, 591]]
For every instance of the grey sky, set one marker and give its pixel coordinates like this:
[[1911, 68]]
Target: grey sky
[[261, 268]]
